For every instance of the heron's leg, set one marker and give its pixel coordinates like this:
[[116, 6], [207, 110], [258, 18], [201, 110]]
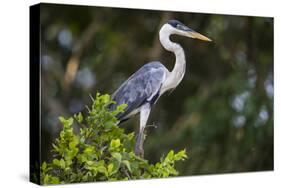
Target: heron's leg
[[144, 114]]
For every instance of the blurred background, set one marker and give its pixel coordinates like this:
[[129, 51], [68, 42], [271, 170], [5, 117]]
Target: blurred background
[[222, 111]]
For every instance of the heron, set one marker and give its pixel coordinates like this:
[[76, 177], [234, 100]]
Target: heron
[[143, 88]]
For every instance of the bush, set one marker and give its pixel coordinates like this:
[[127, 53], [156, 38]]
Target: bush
[[101, 150]]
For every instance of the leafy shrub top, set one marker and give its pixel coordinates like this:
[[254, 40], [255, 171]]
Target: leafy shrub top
[[101, 150]]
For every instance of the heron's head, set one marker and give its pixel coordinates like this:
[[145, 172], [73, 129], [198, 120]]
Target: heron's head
[[176, 27]]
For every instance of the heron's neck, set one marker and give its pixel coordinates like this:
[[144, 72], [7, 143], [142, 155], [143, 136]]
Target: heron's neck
[[176, 75]]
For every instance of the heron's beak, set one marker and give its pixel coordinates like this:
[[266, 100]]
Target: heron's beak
[[186, 31], [194, 34]]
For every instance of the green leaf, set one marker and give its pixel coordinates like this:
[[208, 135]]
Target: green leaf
[[79, 117], [54, 180], [105, 98], [102, 169], [72, 145], [116, 166], [109, 125], [46, 179], [115, 143], [170, 155], [131, 136], [51, 180], [44, 166], [121, 107], [127, 164], [66, 122], [56, 148], [117, 156], [88, 150], [110, 168], [56, 162], [181, 155], [62, 163]]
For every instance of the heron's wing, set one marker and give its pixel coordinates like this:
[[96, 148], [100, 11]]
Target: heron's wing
[[142, 87]]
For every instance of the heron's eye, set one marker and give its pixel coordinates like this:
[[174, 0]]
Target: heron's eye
[[179, 26]]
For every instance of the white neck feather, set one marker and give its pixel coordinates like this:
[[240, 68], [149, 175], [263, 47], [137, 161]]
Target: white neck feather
[[173, 78]]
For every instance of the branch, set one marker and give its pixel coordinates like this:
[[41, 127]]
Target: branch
[[77, 51]]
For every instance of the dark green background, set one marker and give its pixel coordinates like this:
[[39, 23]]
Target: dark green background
[[222, 111]]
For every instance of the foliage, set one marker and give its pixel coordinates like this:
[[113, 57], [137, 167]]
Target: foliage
[[101, 150]]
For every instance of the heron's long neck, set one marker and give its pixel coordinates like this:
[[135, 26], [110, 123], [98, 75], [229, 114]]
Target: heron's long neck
[[176, 75]]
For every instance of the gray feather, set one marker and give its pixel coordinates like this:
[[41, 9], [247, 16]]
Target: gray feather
[[142, 87]]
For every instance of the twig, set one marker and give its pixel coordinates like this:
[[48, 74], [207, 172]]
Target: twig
[[153, 125]]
